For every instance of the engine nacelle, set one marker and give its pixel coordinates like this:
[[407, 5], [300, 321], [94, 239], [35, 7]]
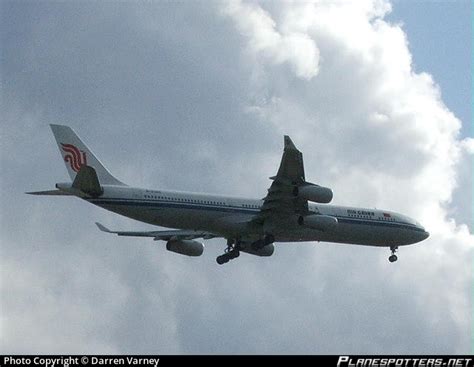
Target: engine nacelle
[[315, 193], [319, 221], [264, 251], [185, 247]]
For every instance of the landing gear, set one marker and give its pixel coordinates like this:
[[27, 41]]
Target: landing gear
[[393, 257], [222, 259], [259, 244], [231, 252]]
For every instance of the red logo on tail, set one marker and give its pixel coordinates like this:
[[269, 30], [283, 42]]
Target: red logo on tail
[[75, 157]]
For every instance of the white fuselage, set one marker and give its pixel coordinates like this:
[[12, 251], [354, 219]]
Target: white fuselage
[[232, 217]]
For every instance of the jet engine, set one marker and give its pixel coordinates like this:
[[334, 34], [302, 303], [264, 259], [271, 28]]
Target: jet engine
[[318, 221], [185, 247], [315, 193]]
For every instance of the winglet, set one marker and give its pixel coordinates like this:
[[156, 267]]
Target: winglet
[[103, 228], [289, 144]]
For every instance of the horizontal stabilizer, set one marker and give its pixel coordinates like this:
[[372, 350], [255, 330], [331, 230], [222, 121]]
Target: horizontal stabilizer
[[50, 192]]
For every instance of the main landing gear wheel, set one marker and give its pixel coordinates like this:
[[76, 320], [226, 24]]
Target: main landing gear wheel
[[231, 252], [259, 244], [393, 257], [222, 259]]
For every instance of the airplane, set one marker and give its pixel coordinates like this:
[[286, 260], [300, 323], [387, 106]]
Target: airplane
[[293, 210]]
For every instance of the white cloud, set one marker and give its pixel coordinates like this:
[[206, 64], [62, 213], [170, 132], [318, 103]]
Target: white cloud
[[267, 43], [381, 135], [375, 108]]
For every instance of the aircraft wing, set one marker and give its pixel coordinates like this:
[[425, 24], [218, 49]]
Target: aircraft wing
[[280, 200], [163, 235]]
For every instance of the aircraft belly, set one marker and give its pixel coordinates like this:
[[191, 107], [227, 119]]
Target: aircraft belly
[[186, 218], [146, 215], [174, 217], [346, 233]]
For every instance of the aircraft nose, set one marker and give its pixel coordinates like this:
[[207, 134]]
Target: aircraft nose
[[424, 235]]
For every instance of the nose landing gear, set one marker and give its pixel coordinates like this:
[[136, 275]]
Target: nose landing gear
[[231, 252], [393, 257]]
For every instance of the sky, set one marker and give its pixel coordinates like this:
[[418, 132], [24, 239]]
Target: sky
[[440, 41], [197, 96]]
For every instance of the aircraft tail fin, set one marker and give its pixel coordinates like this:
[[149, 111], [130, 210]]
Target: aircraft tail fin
[[76, 154]]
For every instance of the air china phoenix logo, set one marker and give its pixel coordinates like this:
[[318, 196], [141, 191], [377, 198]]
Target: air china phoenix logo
[[75, 157]]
